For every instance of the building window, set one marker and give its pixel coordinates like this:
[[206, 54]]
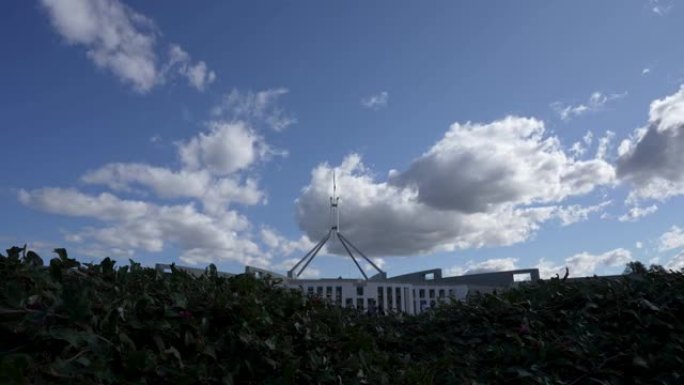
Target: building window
[[432, 303], [451, 292], [441, 293], [310, 290], [328, 292], [432, 293], [338, 294], [359, 303], [421, 293], [390, 302], [359, 290], [319, 290], [349, 302], [371, 305]]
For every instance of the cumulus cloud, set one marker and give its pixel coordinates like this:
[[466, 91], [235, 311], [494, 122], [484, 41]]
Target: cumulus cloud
[[475, 167], [585, 264], [636, 212], [259, 107], [486, 266], [651, 160], [214, 192], [596, 102], [672, 239], [122, 41], [225, 149], [214, 164], [481, 185], [376, 102], [105, 206], [133, 225], [215, 170]]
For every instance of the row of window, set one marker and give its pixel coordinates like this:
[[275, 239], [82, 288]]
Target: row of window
[[431, 292], [370, 304], [441, 293]]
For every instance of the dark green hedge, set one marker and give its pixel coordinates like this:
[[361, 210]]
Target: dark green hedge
[[97, 324]]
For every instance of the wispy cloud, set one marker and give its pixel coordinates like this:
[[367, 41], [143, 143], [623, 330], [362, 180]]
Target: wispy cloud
[[123, 41], [636, 212], [585, 263], [596, 102], [260, 107], [660, 7], [377, 101], [486, 266]]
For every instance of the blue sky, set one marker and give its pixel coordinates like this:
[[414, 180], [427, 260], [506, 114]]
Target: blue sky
[[471, 136]]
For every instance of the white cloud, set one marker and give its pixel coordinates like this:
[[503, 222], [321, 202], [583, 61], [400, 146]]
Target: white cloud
[[257, 107], [214, 163], [120, 40], [672, 239], [676, 263], [215, 172], [637, 212], [133, 225], [646, 71], [579, 148], [604, 145], [481, 185], [198, 74], [225, 149], [577, 213], [487, 266], [652, 159], [376, 102], [214, 192], [585, 264], [286, 265], [280, 246], [639, 245], [660, 7], [596, 102], [477, 166], [104, 206]]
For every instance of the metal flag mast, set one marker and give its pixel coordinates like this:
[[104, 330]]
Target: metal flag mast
[[334, 232]]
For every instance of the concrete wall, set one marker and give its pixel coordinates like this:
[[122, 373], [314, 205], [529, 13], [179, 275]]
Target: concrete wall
[[496, 279]]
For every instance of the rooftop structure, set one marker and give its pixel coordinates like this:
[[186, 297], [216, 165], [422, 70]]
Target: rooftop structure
[[408, 293], [334, 232]]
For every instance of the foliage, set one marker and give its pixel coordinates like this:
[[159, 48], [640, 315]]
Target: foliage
[[99, 324]]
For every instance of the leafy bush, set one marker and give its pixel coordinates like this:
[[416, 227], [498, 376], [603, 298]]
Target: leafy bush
[[98, 324]]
